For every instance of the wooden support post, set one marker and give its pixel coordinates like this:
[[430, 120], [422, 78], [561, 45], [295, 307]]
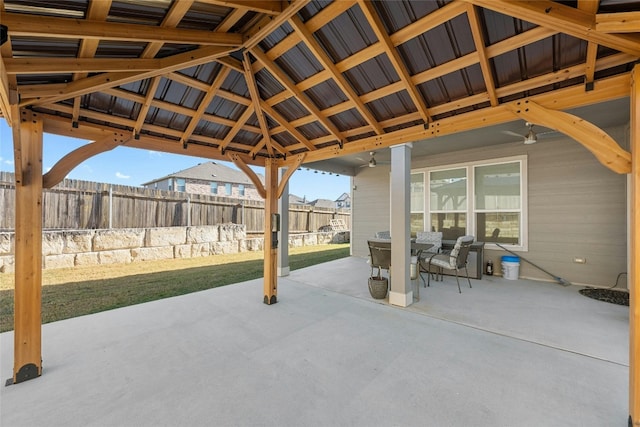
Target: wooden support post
[[634, 277], [28, 250], [270, 235]]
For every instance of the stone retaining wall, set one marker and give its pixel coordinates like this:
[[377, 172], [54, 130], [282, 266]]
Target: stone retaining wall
[[70, 248]]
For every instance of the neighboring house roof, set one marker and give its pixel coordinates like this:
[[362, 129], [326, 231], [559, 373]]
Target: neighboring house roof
[[343, 197], [211, 171], [323, 203]]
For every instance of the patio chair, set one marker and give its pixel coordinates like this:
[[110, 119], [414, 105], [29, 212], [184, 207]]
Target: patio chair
[[433, 237], [380, 256], [383, 235], [454, 260]]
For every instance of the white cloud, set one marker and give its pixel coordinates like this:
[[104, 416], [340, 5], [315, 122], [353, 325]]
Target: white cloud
[[8, 162], [154, 153], [122, 176]]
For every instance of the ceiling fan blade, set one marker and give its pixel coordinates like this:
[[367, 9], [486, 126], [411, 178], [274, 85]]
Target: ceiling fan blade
[[508, 132]]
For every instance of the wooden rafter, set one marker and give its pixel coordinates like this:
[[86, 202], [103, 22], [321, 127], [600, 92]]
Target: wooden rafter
[[20, 24], [266, 26], [569, 20], [322, 57], [109, 80], [204, 103], [271, 7], [235, 129], [286, 125], [621, 22], [485, 66], [302, 98], [146, 105], [255, 98], [96, 11], [393, 55], [591, 7]]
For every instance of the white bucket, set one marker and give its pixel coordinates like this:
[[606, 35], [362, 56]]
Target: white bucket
[[510, 267]]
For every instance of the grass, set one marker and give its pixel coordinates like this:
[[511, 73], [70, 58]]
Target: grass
[[79, 291]]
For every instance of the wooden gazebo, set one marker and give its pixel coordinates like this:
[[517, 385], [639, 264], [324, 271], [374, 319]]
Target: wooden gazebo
[[282, 83]]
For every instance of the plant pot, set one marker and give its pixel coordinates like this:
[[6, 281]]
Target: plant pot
[[378, 287]]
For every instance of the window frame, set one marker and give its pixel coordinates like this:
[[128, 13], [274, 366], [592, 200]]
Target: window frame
[[471, 225]]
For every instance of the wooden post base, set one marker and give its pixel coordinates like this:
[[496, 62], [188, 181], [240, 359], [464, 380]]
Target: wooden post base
[[25, 373], [270, 301]]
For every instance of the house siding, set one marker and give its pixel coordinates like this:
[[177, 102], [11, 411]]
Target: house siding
[[577, 208]]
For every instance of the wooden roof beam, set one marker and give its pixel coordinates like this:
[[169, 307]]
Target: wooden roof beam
[[270, 7], [21, 24], [108, 80], [204, 103], [605, 148], [235, 129], [562, 99], [146, 105], [266, 26], [485, 66], [320, 54], [621, 22], [287, 126], [394, 57], [255, 98], [591, 7], [569, 20], [301, 97]]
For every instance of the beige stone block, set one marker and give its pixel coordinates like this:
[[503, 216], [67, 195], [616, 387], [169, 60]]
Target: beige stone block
[[204, 234], [121, 256], [296, 241], [200, 249], [105, 240], [220, 248], [150, 254], [226, 232], [166, 236], [7, 264], [255, 244], [52, 244], [77, 241], [6, 243], [324, 238], [59, 261], [87, 258], [310, 239], [182, 251], [239, 231]]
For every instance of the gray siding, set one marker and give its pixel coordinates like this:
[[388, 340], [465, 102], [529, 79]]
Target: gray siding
[[576, 208]]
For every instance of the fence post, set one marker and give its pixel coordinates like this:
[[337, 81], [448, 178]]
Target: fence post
[[188, 211], [110, 206]]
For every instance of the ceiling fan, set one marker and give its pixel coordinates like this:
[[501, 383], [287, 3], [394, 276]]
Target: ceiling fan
[[530, 138], [372, 163]]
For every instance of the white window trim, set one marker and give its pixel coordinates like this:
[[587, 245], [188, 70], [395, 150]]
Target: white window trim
[[470, 209]]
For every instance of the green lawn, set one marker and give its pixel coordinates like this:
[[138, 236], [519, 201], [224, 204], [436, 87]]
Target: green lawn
[[78, 291]]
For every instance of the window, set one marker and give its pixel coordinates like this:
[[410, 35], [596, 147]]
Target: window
[[227, 189], [214, 188], [486, 199], [498, 202], [240, 190], [448, 202], [181, 184]]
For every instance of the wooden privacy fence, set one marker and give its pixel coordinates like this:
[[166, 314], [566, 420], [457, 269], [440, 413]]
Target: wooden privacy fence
[[74, 204]]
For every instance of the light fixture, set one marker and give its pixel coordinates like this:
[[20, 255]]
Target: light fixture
[[372, 162], [530, 137]]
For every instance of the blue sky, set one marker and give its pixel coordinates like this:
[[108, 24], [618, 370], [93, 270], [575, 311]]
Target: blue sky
[[130, 166]]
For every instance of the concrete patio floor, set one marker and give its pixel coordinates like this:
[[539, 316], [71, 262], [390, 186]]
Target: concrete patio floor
[[504, 353]]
